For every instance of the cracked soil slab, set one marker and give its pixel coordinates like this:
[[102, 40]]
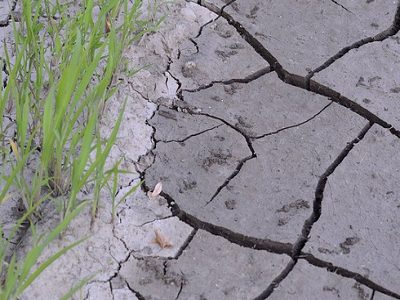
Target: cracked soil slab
[[289, 147]]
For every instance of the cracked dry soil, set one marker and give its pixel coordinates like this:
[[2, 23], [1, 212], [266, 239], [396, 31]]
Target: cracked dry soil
[[274, 128]]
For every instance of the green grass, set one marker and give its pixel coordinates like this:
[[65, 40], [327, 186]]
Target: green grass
[[61, 72]]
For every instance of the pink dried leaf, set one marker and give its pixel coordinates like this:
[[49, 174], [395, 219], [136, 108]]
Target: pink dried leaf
[[157, 190], [162, 240]]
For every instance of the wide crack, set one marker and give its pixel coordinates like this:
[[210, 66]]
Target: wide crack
[[137, 294], [315, 215], [392, 30], [303, 82], [275, 246]]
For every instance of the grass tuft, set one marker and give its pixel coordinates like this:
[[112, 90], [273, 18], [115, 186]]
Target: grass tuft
[[60, 72]]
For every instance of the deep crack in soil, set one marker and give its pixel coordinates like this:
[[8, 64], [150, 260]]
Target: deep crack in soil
[[303, 82]]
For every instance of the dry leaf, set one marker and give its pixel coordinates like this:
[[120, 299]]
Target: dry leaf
[[162, 240], [157, 190], [15, 150], [108, 24]]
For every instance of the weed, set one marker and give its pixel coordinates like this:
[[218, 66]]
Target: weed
[[60, 75]]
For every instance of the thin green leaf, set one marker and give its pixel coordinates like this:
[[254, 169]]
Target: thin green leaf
[[33, 255], [78, 286], [47, 263]]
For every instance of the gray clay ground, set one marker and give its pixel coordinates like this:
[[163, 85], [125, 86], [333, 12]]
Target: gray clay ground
[[280, 177]]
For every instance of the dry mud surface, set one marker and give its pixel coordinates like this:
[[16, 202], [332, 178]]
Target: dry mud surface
[[274, 128]]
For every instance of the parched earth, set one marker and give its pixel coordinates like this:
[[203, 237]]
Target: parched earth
[[274, 128]]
